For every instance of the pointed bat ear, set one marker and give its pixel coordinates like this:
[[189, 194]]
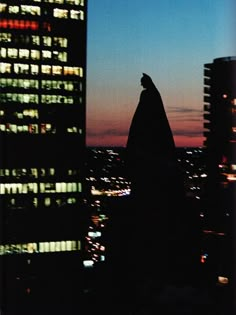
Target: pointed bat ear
[[146, 75]]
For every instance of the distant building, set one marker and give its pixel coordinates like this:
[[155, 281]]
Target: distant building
[[220, 137], [220, 143], [42, 141]]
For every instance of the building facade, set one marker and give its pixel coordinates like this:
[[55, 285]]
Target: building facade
[[220, 134], [220, 144], [42, 143]]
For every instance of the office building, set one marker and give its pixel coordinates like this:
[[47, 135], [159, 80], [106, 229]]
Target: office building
[[42, 143], [220, 136], [220, 144]]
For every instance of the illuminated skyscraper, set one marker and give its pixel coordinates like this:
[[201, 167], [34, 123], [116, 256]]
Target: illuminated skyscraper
[[42, 142], [220, 113]]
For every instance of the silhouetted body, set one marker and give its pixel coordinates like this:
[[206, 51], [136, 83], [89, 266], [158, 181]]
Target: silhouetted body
[[157, 191], [150, 144], [150, 151]]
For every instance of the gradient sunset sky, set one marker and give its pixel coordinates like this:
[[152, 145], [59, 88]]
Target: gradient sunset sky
[[170, 40]]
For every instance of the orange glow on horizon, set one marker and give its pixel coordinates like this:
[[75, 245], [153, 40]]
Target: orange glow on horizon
[[120, 141]]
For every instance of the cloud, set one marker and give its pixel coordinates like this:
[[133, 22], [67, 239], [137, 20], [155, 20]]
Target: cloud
[[107, 132], [188, 133], [174, 109]]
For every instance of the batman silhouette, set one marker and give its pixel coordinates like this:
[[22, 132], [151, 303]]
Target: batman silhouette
[[150, 149], [157, 191]]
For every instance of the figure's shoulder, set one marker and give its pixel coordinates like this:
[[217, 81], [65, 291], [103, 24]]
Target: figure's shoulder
[[143, 94]]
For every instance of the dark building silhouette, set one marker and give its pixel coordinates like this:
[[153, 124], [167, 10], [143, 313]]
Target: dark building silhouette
[[220, 144], [42, 142], [219, 108]]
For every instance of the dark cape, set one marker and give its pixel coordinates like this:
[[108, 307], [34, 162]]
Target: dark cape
[[157, 190], [150, 149]]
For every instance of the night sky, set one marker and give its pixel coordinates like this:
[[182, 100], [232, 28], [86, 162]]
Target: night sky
[[170, 40]]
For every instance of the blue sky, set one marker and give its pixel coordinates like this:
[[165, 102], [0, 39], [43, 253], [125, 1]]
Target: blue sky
[[168, 39]]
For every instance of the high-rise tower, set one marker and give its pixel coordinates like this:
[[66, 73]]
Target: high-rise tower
[[220, 142], [42, 143], [220, 112]]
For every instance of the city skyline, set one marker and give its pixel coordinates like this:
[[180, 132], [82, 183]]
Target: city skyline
[[168, 38]]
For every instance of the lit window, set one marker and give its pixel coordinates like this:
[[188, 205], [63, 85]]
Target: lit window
[[34, 172], [35, 40], [34, 69], [68, 245], [21, 68], [69, 86], [60, 13], [47, 41], [71, 201], [26, 84], [63, 187], [72, 129], [30, 9], [13, 128], [233, 102], [75, 2], [60, 41], [5, 37], [32, 247], [3, 7], [62, 56], [46, 54], [25, 98], [52, 246], [13, 9], [5, 67], [32, 113], [52, 171], [24, 53], [33, 128], [57, 246], [19, 115], [56, 70], [46, 69], [25, 189], [34, 84], [3, 52], [12, 52], [234, 129], [35, 54], [63, 245], [46, 246], [25, 128], [14, 82], [78, 15], [47, 202], [73, 71], [41, 247]]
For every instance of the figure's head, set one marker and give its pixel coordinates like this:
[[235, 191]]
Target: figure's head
[[146, 81]]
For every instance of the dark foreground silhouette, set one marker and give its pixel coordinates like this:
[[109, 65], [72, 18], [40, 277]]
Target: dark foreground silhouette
[[153, 239], [157, 189]]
